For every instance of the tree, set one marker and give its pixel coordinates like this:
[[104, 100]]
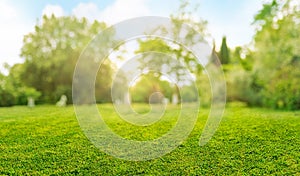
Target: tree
[[277, 41], [20, 91], [7, 97], [224, 52], [120, 88], [147, 85], [183, 55], [12, 90], [277, 36], [51, 52]]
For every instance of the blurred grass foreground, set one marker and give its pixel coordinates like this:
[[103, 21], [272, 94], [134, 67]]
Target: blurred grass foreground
[[47, 140]]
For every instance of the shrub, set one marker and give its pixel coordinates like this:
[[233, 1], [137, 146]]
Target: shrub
[[6, 98], [283, 90], [244, 86]]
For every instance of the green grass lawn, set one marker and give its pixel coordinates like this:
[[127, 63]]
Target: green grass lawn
[[47, 140]]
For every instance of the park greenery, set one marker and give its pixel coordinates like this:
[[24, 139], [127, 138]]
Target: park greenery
[[263, 73], [260, 128], [47, 140]]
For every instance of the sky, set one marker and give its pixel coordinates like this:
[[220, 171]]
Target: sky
[[230, 18]]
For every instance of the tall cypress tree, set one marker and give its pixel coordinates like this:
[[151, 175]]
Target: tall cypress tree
[[224, 52]]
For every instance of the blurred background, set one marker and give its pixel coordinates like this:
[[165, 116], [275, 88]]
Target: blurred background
[[256, 42]]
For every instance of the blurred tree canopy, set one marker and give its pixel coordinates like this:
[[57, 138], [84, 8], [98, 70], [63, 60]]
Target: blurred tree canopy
[[270, 75], [51, 52], [277, 54], [264, 73], [12, 89], [278, 35], [178, 52], [6, 94], [149, 84]]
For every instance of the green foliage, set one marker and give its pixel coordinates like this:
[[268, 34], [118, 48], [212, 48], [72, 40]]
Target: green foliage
[[243, 86], [264, 76], [283, 91], [120, 87], [185, 57], [13, 91], [277, 36], [204, 90], [189, 94], [51, 52], [242, 56], [149, 84], [224, 52], [276, 46], [7, 98], [176, 68], [23, 93], [265, 16], [47, 140]]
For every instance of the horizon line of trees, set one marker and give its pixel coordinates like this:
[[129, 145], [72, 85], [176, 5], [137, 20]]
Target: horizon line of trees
[[265, 73]]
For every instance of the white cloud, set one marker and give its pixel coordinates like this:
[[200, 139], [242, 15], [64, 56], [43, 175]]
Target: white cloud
[[87, 10], [116, 12], [7, 12], [14, 27], [16, 24], [53, 9], [122, 10]]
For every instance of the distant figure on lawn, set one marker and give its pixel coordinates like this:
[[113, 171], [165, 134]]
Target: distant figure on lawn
[[62, 102], [31, 103]]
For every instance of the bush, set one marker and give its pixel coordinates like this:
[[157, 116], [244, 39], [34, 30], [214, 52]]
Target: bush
[[283, 90], [7, 98], [204, 90], [244, 86], [189, 94]]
